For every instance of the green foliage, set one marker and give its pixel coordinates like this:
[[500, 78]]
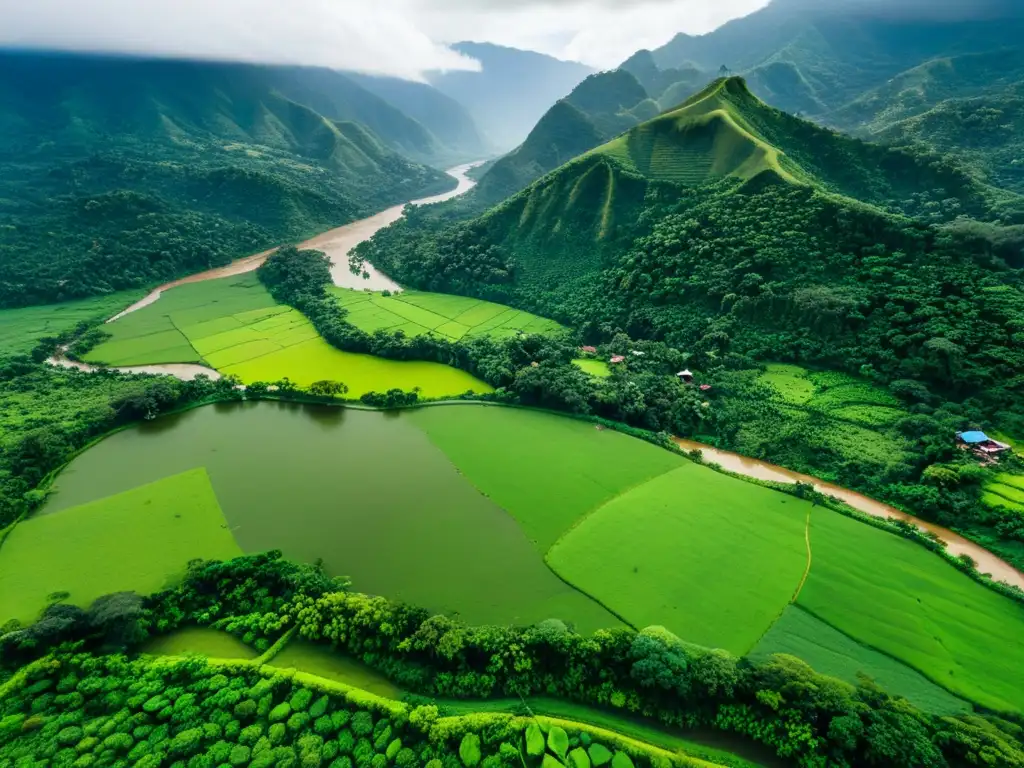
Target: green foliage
[[599, 754], [469, 750], [534, 740], [558, 742], [578, 758]]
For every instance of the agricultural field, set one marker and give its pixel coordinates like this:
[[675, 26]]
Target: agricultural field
[[454, 317], [21, 329], [648, 553], [830, 652], [918, 609], [1005, 490], [324, 661], [132, 541], [597, 368], [234, 325], [199, 641], [546, 471], [854, 415]]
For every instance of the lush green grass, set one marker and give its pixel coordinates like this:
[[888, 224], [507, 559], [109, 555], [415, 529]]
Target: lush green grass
[[830, 652], [995, 500], [547, 471], [132, 541], [324, 661], [315, 360], [899, 598], [454, 317], [790, 382], [712, 558], [598, 368], [21, 329], [233, 325], [202, 641], [1016, 445]]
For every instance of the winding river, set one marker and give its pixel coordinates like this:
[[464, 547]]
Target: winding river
[[336, 243], [955, 543]]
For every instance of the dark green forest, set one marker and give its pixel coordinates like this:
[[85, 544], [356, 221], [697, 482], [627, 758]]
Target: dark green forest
[[163, 169]]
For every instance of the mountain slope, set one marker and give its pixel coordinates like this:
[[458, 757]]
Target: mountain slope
[[600, 107], [117, 172], [813, 57], [448, 121], [727, 227], [513, 90]]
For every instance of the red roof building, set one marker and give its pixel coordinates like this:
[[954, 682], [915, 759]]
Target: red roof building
[[589, 350], [617, 359]]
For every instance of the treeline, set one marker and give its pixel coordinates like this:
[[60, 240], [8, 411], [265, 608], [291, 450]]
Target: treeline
[[530, 370], [805, 718]]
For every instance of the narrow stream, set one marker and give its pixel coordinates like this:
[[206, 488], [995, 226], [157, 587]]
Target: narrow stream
[[336, 243], [760, 470]]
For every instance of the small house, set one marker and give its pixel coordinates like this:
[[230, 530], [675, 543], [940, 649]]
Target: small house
[[686, 376], [617, 359], [981, 445], [705, 387], [637, 353], [588, 350]]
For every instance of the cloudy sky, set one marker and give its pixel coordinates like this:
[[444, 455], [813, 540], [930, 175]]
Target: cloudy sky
[[396, 37]]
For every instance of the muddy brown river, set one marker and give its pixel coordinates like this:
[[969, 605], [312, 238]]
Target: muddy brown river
[[760, 470]]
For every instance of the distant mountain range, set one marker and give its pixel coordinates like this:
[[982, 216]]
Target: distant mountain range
[[512, 91]]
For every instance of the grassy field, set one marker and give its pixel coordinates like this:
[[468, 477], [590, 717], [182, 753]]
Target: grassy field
[[235, 326], [1005, 490], [918, 609], [598, 368], [21, 329], [324, 661], [315, 359], [830, 652], [132, 541], [546, 471], [454, 317], [712, 558], [202, 641], [859, 414]]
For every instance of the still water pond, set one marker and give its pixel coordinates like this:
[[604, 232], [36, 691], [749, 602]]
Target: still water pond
[[365, 492]]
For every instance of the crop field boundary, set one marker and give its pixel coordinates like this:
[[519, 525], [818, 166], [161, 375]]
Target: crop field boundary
[[869, 646], [807, 570]]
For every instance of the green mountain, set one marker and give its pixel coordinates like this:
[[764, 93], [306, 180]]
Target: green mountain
[[668, 86], [812, 57], [446, 119], [727, 226], [116, 172], [512, 91], [599, 108]]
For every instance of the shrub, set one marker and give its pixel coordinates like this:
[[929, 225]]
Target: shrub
[[281, 712], [469, 750]]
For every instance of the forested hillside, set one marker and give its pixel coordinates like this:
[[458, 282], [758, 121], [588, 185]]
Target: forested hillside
[[599, 108], [735, 232], [117, 173]]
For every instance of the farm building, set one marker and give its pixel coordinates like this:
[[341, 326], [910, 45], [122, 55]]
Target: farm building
[[686, 376], [981, 444], [617, 359], [589, 350]]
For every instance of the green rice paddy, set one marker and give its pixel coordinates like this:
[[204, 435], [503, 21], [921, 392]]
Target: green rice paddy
[[454, 317], [235, 326], [21, 329], [917, 609], [1006, 491], [646, 555], [134, 540], [830, 652], [598, 368], [546, 471]]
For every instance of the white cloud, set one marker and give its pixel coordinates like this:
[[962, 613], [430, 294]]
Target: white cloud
[[395, 37], [373, 37]]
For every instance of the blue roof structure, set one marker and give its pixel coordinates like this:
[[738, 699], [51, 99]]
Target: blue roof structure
[[974, 437]]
